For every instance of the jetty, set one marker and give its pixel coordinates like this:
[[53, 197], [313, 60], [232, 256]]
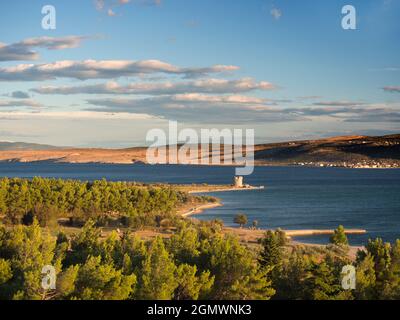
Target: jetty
[[238, 185], [316, 232], [253, 235]]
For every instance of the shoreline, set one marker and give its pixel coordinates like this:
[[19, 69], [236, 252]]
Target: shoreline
[[201, 208], [345, 151], [258, 233], [64, 159], [253, 235], [230, 188], [293, 233]]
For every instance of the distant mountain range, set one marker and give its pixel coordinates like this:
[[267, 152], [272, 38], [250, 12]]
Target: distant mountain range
[[4, 145], [352, 151]]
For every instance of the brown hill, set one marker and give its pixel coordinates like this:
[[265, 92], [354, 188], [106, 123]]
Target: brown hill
[[332, 150], [336, 150]]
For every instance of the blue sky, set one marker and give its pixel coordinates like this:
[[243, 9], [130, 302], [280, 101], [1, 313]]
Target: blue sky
[[305, 76]]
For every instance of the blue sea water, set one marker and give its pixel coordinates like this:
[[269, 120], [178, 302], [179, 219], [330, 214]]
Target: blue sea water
[[293, 198]]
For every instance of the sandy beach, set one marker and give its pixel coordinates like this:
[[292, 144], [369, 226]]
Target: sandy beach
[[258, 233], [250, 235], [225, 189], [201, 208]]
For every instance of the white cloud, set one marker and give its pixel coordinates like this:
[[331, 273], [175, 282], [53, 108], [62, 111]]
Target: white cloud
[[162, 88], [340, 103], [102, 69], [199, 108], [111, 13], [75, 115], [109, 6], [276, 13], [23, 50], [19, 103]]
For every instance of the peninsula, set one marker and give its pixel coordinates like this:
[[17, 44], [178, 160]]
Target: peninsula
[[342, 151]]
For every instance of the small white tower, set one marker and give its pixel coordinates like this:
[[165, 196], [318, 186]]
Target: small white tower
[[238, 182]]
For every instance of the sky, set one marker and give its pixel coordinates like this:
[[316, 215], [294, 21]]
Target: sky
[[114, 69]]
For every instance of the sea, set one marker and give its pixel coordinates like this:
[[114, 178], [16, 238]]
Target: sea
[[293, 197]]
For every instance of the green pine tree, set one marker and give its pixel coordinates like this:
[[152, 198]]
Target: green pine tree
[[339, 237], [157, 274]]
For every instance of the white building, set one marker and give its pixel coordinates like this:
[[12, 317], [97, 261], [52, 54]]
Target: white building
[[238, 182]]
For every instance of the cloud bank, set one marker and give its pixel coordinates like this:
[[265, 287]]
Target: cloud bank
[[23, 50], [102, 69], [109, 6], [236, 109], [213, 86], [392, 89], [20, 103]]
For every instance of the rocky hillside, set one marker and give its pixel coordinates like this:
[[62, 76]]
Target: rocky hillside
[[351, 150], [348, 151]]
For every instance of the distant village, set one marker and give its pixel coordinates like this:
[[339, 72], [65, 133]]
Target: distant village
[[364, 164]]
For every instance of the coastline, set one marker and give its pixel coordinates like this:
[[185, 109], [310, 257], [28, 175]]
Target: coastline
[[252, 235], [230, 188], [354, 151], [128, 159], [258, 233], [200, 209]]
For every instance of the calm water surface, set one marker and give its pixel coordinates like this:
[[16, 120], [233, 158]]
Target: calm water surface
[[293, 198]]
